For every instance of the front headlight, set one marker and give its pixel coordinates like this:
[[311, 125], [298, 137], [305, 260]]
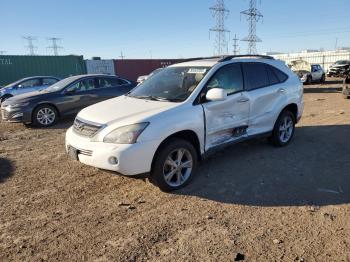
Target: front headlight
[[19, 105], [125, 134]]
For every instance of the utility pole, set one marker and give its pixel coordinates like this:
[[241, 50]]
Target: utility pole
[[219, 13], [54, 46], [235, 45], [30, 46], [253, 16], [121, 55]]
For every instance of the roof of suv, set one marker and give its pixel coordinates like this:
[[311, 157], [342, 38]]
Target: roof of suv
[[211, 61]]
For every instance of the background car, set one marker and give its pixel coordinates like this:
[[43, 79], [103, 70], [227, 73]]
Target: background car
[[26, 85], [66, 97], [308, 73], [142, 79], [339, 68]]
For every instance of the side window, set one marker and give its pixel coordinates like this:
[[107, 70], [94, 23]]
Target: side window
[[122, 81], [272, 76], [49, 81], [229, 78], [30, 83], [255, 75], [81, 86], [281, 76]]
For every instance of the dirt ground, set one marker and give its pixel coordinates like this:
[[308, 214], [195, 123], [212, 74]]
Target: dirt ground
[[251, 201]]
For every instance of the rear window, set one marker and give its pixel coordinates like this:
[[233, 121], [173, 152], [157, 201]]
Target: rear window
[[281, 76], [255, 75]]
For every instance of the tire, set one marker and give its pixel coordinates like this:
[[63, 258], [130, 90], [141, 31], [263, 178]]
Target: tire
[[323, 79], [178, 176], [309, 80], [44, 116], [277, 134], [346, 97]]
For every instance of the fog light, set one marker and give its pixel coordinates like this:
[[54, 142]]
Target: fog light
[[113, 160], [18, 115]]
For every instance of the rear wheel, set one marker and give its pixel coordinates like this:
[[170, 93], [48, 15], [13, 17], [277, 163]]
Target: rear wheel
[[284, 128], [45, 116], [308, 80], [174, 165]]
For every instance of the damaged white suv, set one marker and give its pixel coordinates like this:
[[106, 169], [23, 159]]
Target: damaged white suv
[[177, 117]]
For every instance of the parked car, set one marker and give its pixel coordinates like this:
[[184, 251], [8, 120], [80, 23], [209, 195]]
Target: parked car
[[339, 68], [27, 85], [346, 87], [185, 112], [142, 79], [66, 97], [308, 73]]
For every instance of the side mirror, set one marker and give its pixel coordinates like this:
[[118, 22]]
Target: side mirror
[[19, 86], [69, 92], [216, 94]]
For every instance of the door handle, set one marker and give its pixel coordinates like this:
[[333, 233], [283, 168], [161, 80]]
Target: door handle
[[281, 90], [243, 100]]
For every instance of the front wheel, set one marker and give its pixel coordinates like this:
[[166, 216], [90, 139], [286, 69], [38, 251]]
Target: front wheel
[[323, 79], [174, 165], [45, 116], [284, 128]]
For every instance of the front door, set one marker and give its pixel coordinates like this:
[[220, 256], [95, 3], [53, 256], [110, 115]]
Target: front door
[[227, 121]]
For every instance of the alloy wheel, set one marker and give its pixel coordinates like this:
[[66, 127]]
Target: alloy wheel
[[286, 129], [178, 167], [46, 116]]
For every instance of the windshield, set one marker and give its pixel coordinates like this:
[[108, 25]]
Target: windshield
[[173, 84], [62, 84], [342, 62]]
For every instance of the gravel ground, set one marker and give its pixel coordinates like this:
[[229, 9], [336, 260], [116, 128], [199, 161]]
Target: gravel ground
[[250, 201]]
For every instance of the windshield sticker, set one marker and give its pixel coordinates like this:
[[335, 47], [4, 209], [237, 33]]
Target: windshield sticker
[[197, 71]]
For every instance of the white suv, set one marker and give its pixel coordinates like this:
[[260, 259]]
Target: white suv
[[177, 117]]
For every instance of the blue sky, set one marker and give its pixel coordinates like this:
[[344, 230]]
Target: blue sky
[[167, 29]]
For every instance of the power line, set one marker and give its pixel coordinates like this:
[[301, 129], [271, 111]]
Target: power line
[[219, 13], [31, 47], [235, 45], [55, 47], [253, 16]]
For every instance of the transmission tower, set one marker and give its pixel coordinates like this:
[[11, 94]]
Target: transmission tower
[[253, 16], [54, 46], [30, 45], [235, 45], [220, 13]]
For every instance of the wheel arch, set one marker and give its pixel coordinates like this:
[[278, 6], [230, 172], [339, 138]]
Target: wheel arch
[[188, 135], [46, 103], [293, 108]]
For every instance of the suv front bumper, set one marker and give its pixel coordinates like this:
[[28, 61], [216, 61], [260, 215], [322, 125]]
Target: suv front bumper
[[133, 159]]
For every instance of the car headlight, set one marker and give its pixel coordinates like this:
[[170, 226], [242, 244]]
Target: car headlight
[[19, 105], [125, 134]]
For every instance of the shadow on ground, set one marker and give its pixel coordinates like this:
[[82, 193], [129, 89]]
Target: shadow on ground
[[7, 169], [319, 89], [313, 170]]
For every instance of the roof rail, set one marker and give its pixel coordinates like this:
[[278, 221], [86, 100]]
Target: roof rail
[[203, 58], [228, 58]]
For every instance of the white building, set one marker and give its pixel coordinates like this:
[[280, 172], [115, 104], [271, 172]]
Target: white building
[[324, 58]]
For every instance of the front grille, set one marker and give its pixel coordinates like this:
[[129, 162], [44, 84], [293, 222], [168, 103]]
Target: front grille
[[85, 152], [4, 114], [84, 128]]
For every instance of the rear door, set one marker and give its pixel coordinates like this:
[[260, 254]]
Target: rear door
[[266, 91], [110, 87], [227, 120]]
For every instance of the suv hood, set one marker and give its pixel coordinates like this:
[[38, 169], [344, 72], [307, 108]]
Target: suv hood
[[300, 65], [124, 108]]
